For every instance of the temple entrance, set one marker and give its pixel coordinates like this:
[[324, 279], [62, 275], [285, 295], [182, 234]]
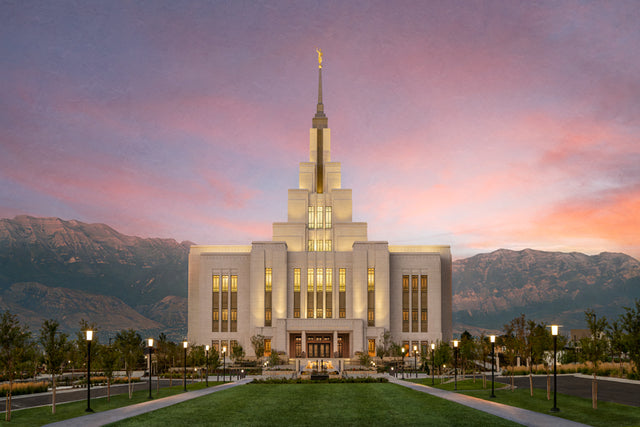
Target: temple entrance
[[319, 346]]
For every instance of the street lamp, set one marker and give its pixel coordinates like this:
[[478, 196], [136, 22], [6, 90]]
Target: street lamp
[[206, 351], [433, 362], [455, 365], [224, 373], [149, 353], [554, 332], [493, 361], [89, 336], [185, 344], [403, 350], [415, 359]]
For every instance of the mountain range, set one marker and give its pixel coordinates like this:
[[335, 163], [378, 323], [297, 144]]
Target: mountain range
[[69, 270]]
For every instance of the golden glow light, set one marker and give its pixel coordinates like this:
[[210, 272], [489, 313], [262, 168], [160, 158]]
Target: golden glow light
[[455, 343], [554, 330], [224, 349], [433, 346], [492, 338], [150, 342], [206, 347], [185, 344], [89, 335]]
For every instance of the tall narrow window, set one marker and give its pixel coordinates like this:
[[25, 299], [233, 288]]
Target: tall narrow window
[[414, 304], [319, 293], [327, 216], [267, 296], [296, 293], [405, 303], [225, 304], [234, 303], [371, 299], [310, 249], [342, 295], [424, 304], [319, 217], [327, 246], [328, 281], [215, 304], [372, 347], [267, 347], [312, 218], [310, 294]]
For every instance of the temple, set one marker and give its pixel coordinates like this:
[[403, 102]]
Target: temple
[[319, 288]]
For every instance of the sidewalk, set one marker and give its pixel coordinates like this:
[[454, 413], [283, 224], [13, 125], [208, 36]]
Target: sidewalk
[[511, 413], [113, 415]]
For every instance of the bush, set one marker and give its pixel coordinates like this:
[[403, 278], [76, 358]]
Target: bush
[[24, 388]]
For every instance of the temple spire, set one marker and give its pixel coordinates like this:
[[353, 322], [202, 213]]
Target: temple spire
[[320, 120]]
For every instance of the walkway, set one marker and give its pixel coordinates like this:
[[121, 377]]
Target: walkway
[[113, 415], [511, 413]]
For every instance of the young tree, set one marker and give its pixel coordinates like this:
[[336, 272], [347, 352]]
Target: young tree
[[257, 341], [617, 343], [237, 353], [630, 323], [15, 348], [443, 356], [109, 359], [594, 348], [56, 347], [484, 350], [129, 342], [467, 353], [514, 341]]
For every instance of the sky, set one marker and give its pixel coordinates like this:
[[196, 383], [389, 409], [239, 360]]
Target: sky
[[476, 124]]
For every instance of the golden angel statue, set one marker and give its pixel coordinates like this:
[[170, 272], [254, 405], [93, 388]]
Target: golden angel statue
[[319, 57]]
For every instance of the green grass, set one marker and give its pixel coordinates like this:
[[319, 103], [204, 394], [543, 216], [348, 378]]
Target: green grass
[[317, 405], [571, 407], [42, 415], [463, 385]]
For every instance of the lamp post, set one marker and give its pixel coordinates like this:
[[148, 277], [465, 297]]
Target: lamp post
[[433, 362], [403, 350], [206, 353], [554, 332], [493, 361], [149, 353], [455, 365], [224, 368], [89, 336], [415, 359], [185, 344]]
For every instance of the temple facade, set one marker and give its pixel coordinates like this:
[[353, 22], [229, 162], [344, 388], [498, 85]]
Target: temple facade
[[319, 288]]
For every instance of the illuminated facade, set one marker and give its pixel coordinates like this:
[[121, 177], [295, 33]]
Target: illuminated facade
[[320, 288]]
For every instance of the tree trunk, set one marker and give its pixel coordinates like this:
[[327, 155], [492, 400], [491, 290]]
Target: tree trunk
[[53, 394], [129, 381], [7, 416], [512, 374], [548, 385], [531, 383], [594, 392], [109, 389], [484, 380]]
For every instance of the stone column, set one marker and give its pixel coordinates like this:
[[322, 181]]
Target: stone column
[[335, 343]]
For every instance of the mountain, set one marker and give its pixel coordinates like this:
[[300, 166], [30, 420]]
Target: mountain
[[69, 270], [491, 289], [100, 262]]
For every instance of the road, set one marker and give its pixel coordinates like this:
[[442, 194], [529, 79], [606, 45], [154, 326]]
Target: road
[[626, 393]]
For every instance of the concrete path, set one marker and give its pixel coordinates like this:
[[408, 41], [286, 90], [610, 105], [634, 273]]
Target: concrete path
[[511, 413], [113, 415]]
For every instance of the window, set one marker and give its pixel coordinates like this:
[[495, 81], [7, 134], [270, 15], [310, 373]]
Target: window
[[311, 218], [372, 347], [225, 315], [225, 283], [405, 315], [310, 249], [320, 282], [310, 280], [234, 315], [329, 279], [234, 283], [319, 219], [327, 246], [343, 279], [215, 316], [267, 279], [267, 347], [371, 279], [327, 221], [296, 313], [328, 313], [267, 317], [296, 280], [216, 283]]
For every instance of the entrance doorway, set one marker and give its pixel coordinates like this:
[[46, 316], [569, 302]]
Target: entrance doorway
[[319, 346]]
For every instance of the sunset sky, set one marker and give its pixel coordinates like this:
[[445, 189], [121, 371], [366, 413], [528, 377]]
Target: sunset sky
[[481, 125]]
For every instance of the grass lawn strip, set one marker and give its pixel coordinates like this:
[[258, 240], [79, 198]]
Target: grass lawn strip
[[571, 407], [317, 404], [64, 411]]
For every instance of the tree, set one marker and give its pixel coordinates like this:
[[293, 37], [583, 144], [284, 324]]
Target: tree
[[109, 359], [617, 342], [630, 323], [594, 348], [56, 347], [257, 341], [514, 341], [468, 352], [443, 355], [15, 348], [237, 353], [129, 342]]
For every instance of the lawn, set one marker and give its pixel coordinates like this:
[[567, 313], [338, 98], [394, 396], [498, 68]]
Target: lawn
[[317, 405], [42, 415], [573, 408]]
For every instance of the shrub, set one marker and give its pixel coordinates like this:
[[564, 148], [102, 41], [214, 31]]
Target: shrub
[[25, 388]]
